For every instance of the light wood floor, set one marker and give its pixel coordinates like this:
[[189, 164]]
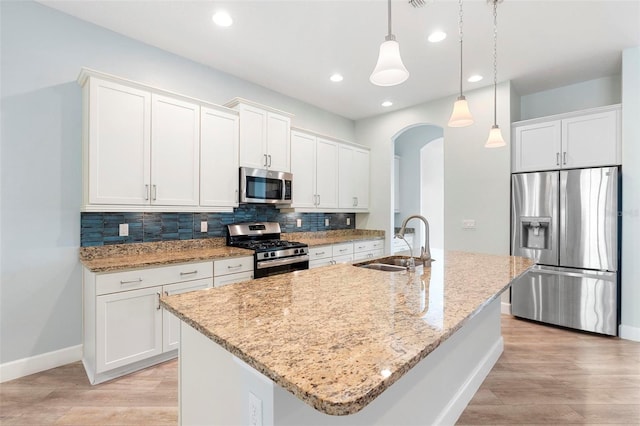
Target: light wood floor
[[546, 375]]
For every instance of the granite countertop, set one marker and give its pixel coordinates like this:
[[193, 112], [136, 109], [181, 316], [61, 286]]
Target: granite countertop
[[337, 336], [119, 257]]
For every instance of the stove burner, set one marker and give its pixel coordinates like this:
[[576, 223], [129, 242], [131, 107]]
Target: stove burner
[[269, 245]]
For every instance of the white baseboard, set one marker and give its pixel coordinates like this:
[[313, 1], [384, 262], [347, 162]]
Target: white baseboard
[[505, 308], [629, 333], [35, 364]]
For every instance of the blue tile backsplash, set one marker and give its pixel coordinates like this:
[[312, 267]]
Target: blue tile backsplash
[[99, 229]]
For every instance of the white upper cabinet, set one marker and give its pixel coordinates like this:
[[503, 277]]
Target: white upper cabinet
[[314, 164], [118, 143], [303, 168], [584, 139], [175, 152], [264, 136], [354, 178], [142, 149], [326, 174], [218, 158]]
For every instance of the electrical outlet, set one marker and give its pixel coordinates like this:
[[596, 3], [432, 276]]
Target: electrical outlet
[[348, 221], [123, 230], [204, 226], [299, 223], [326, 221], [468, 224], [255, 410]]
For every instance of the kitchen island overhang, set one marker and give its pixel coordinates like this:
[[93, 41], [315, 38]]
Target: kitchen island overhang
[[338, 337]]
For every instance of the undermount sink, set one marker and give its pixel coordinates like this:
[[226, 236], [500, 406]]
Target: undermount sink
[[383, 267], [391, 263]]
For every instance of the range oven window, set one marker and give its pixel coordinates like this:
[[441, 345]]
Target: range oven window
[[263, 188]]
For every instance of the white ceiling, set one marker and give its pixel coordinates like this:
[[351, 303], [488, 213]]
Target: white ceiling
[[293, 46]]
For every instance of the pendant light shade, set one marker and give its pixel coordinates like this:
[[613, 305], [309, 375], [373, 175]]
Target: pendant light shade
[[389, 69], [461, 116], [495, 139]]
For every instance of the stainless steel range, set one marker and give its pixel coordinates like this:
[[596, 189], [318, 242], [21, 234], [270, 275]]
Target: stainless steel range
[[272, 255]]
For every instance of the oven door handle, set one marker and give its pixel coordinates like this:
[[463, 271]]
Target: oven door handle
[[279, 262]]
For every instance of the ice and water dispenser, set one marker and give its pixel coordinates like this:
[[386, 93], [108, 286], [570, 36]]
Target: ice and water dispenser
[[535, 232]]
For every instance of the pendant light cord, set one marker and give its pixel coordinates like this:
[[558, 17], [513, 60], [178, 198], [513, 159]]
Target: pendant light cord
[[460, 34], [495, 62]]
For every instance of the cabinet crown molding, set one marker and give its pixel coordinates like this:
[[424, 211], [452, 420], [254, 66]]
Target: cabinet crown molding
[[331, 138], [237, 101]]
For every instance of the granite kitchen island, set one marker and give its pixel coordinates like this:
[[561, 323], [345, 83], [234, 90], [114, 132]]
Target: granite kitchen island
[[342, 344]]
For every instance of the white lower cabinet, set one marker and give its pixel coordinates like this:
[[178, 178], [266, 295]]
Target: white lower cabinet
[[398, 246], [345, 252], [234, 270], [124, 327], [368, 249], [170, 323]]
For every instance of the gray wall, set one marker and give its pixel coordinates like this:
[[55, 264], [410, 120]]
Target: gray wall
[[42, 51], [630, 327], [574, 97], [477, 183]]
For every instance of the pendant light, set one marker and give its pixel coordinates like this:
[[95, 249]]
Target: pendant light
[[461, 116], [389, 69], [495, 139]]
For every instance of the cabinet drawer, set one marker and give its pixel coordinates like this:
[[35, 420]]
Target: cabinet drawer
[[342, 249], [368, 254], [347, 258], [232, 266], [320, 262], [368, 245], [221, 280], [142, 278], [185, 287], [321, 252]]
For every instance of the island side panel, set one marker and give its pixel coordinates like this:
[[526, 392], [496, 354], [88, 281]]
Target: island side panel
[[435, 391], [209, 381]]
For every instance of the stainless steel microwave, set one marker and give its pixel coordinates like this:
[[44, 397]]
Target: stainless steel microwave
[[265, 186]]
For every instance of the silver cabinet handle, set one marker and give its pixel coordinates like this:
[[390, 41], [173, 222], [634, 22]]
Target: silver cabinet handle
[[557, 158], [166, 293], [146, 192], [315, 199], [159, 296], [195, 271], [154, 192], [234, 267], [139, 280], [341, 250], [357, 201], [361, 247], [265, 160], [564, 157], [318, 199], [269, 160], [237, 196], [319, 253]]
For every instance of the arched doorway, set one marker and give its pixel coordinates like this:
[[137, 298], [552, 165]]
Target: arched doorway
[[419, 183]]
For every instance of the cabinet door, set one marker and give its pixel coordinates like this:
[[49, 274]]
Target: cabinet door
[[119, 142], [361, 178], [128, 327], [346, 173], [278, 142], [303, 167], [253, 137], [537, 147], [175, 153], [327, 173], [591, 140], [232, 278], [218, 158], [170, 323]]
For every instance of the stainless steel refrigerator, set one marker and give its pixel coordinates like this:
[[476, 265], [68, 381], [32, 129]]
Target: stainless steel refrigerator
[[567, 221]]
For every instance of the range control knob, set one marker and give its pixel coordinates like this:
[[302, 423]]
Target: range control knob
[[295, 251], [266, 255], [273, 254]]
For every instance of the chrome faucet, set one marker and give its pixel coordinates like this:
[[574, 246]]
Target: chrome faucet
[[425, 253]]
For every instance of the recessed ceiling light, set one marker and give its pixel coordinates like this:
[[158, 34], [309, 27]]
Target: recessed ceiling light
[[336, 78], [387, 103], [474, 78], [437, 36], [222, 19]]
